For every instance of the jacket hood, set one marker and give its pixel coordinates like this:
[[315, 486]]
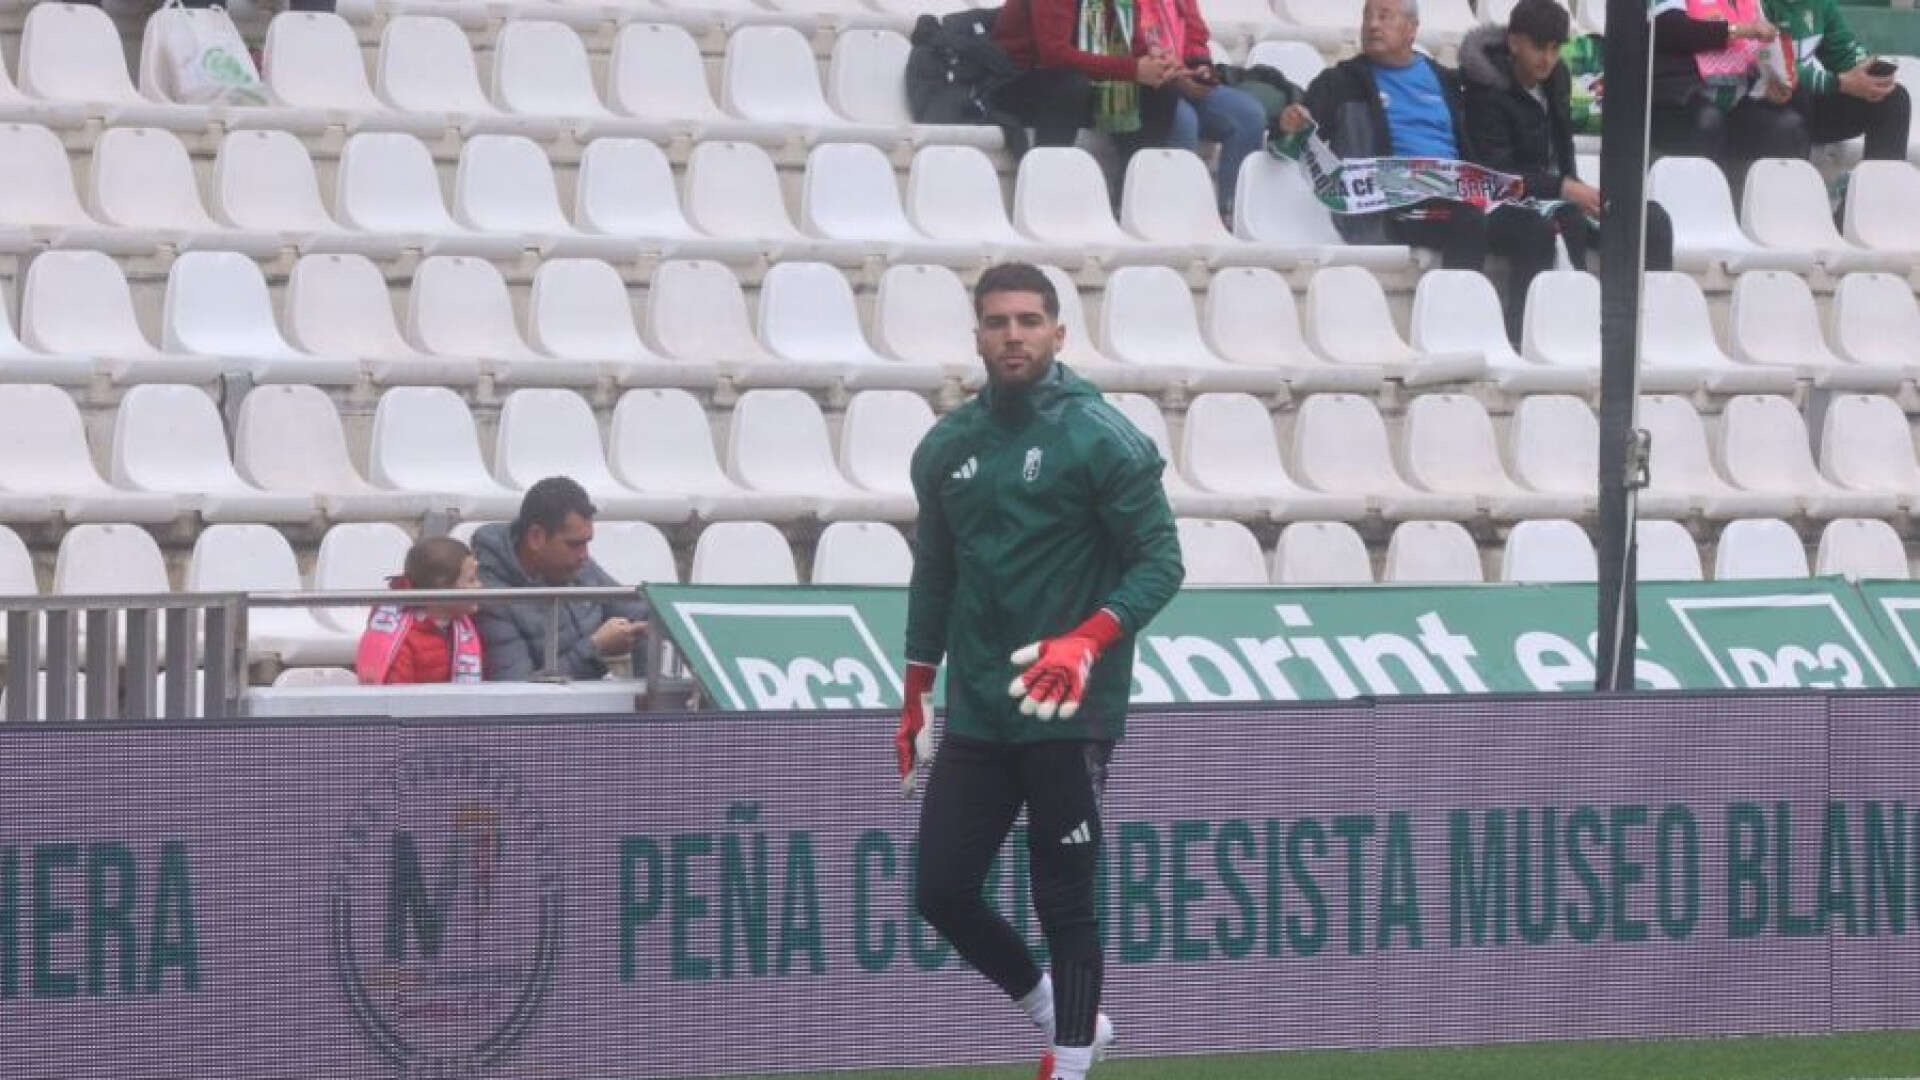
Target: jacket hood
[[1484, 59], [493, 550]]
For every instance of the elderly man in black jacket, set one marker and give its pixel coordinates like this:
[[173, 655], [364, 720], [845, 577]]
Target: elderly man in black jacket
[[1391, 101], [1519, 121]]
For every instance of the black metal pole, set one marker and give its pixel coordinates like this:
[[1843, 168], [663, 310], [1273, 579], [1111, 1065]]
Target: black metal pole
[[1623, 181]]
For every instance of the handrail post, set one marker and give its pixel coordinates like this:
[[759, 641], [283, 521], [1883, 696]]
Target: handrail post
[[23, 664]]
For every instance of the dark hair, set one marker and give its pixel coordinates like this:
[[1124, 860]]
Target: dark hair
[[1545, 22], [1017, 277], [435, 563], [547, 504]]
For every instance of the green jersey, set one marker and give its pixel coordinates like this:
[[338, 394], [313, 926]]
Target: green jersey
[[1036, 510], [1822, 40]]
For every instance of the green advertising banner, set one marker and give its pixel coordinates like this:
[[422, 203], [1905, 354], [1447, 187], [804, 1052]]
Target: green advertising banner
[[766, 648]]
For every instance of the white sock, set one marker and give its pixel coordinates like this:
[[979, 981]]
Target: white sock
[[1072, 1062], [1038, 1004]]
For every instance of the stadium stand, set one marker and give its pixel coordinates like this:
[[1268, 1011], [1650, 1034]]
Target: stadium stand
[[700, 258]]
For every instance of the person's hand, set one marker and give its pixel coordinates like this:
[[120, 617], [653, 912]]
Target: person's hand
[[913, 739], [1154, 68], [1583, 195], [1294, 119], [1056, 672], [1779, 93], [1867, 87], [1758, 30], [617, 635]]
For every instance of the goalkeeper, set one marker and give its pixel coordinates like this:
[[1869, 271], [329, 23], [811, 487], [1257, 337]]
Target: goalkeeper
[[1044, 544]]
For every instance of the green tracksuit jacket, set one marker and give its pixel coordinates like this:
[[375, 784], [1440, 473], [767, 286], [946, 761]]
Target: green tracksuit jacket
[[1822, 40], [1035, 512]]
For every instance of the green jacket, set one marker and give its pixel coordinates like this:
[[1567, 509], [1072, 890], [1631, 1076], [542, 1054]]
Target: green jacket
[[1822, 40], [1035, 512]]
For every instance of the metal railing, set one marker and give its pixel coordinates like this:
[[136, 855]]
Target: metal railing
[[129, 685]]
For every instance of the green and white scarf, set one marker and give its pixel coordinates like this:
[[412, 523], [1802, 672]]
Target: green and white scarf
[[1374, 185], [1106, 28]]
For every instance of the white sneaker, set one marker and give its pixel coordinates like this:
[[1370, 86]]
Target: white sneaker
[[1102, 1036]]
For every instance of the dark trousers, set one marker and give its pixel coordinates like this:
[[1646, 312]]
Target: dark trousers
[[1583, 236], [1755, 129], [973, 795], [1464, 235], [1055, 102], [1835, 117]]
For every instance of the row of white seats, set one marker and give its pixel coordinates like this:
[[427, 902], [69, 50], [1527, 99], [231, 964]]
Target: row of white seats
[[1785, 221], [142, 194], [1341, 462], [291, 465], [1336, 23], [1537, 551], [426, 81], [337, 327]]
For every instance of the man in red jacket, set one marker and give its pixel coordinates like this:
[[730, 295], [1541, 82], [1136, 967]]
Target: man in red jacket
[[1073, 71]]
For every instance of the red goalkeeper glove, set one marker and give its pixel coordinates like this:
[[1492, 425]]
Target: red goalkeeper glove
[[1057, 668], [913, 739]]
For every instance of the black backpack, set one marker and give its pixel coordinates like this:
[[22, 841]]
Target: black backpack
[[954, 70]]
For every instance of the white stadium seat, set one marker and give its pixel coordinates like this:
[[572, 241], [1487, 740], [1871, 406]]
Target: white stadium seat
[[386, 183], [1274, 204], [1444, 22], [257, 558], [697, 311], [1321, 553], [1561, 327], [1867, 445], [1229, 447], [425, 64], [1862, 548], [867, 83], [1327, 23], [1784, 206], [655, 73], [1186, 500], [546, 433], [311, 60], [953, 194], [16, 107], [20, 364], [1775, 323], [1664, 551], [1450, 447], [217, 306], [1706, 234], [1058, 199], [142, 180], [733, 192], [769, 75], [742, 553], [16, 568], [77, 303], [1251, 318], [1765, 446], [104, 559], [72, 53], [504, 186], [661, 440], [1759, 548], [578, 311], [861, 553], [1218, 552], [1340, 445], [42, 206], [424, 441], [1881, 196], [1458, 311], [1299, 61], [1082, 353], [44, 459], [1680, 352], [1875, 321], [1432, 553], [849, 194], [1169, 198], [1548, 551], [924, 315], [459, 306], [540, 69], [291, 439], [1682, 474], [169, 439], [1348, 322], [315, 678], [808, 317], [264, 182], [633, 552], [1147, 318], [777, 442], [878, 435], [338, 304], [159, 79], [357, 558], [625, 188], [1554, 444]]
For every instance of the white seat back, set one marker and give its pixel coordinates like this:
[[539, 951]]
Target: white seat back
[[43, 441], [111, 558], [504, 184], [540, 68], [778, 442], [769, 74], [78, 302], [1340, 445], [1148, 317], [861, 553], [1321, 553], [867, 76], [1881, 196], [424, 440], [1760, 548], [1774, 320], [1348, 319], [1876, 320], [16, 566], [742, 553], [1057, 197], [625, 188], [1664, 551], [459, 306], [1450, 446], [953, 193], [37, 179], [425, 64], [733, 191], [1170, 197], [550, 433], [312, 59], [238, 557], [356, 557], [633, 552], [1459, 311], [696, 310], [849, 192], [1556, 444], [72, 52], [878, 436], [169, 438], [655, 70], [1764, 445], [1251, 316], [924, 314], [1784, 205], [665, 433], [578, 308], [1273, 203], [807, 313], [1220, 553], [1562, 321], [1546, 551], [266, 180], [217, 305], [339, 304], [142, 179], [1865, 443], [1432, 552], [1229, 443], [1862, 548], [290, 438], [1299, 61], [386, 183]]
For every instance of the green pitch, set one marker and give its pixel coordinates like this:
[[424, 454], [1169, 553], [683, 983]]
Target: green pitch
[[1827, 1057]]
